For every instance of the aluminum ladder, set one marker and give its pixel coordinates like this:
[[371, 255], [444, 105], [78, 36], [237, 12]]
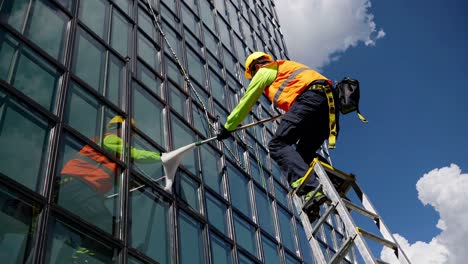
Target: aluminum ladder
[[335, 185]]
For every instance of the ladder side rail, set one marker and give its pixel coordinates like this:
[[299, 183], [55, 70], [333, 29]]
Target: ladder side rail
[[314, 244], [384, 230], [333, 195]]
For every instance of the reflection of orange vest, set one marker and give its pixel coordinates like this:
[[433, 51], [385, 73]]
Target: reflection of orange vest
[[291, 80], [92, 167]]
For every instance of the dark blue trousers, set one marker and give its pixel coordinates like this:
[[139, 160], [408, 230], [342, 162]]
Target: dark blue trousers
[[300, 134]]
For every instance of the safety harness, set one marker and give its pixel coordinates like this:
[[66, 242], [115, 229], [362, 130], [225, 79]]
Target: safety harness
[[326, 88]]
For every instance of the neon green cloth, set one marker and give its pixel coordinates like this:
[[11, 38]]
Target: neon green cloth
[[114, 143], [261, 80]]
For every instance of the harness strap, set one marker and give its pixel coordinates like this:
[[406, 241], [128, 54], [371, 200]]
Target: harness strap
[[331, 112]]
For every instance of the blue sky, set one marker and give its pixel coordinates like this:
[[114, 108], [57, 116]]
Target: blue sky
[[414, 83]]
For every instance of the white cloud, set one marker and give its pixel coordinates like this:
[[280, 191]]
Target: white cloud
[[317, 31], [445, 189]]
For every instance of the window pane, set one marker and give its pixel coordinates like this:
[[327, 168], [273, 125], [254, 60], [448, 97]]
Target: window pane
[[243, 259], [220, 251], [281, 194], [190, 240], [188, 191], [125, 5], [89, 58], [199, 120], [196, 66], [149, 227], [305, 246], [239, 190], [291, 260], [207, 14], [120, 33], [86, 114], [14, 13], [115, 80], [270, 251], [173, 72], [182, 135], [217, 87], [145, 22], [23, 137], [51, 37], [173, 38], [211, 168], [189, 20], [148, 78], [211, 42], [152, 125], [18, 220], [217, 213], [147, 165], [265, 211], [286, 228], [148, 52], [85, 178], [8, 46], [177, 99], [245, 235], [94, 14], [67, 244], [32, 75]]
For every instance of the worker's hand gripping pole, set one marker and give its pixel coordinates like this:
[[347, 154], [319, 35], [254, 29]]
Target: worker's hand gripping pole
[[172, 159]]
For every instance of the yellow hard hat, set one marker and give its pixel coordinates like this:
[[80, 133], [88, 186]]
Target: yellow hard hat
[[251, 58], [118, 120]]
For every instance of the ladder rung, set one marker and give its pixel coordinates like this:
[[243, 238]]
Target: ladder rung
[[323, 218], [355, 207], [376, 238], [343, 250], [310, 202]]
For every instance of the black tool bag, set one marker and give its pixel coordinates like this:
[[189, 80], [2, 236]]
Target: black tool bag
[[348, 96]]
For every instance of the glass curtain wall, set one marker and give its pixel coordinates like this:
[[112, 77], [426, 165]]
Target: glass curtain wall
[[91, 94]]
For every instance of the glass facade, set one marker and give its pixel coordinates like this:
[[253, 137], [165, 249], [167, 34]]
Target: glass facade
[[68, 68]]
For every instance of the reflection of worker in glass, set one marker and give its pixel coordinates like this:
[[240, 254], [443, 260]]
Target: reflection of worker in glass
[[90, 175]]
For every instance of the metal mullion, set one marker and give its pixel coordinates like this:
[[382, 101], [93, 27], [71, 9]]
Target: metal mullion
[[124, 194]]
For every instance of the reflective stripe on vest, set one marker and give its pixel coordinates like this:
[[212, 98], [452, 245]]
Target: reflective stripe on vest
[[98, 165], [286, 82]]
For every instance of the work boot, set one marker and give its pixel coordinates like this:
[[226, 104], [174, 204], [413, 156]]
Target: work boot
[[83, 255], [305, 190], [319, 197]]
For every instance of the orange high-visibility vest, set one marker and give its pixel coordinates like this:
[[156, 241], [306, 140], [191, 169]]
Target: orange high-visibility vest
[[291, 80], [94, 168]]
